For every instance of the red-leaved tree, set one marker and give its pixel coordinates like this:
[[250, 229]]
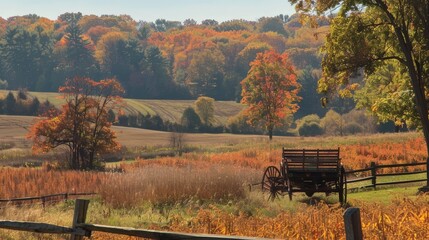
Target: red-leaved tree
[[82, 124], [270, 90]]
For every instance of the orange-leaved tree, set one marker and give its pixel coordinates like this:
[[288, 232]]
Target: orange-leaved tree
[[82, 124], [270, 90]]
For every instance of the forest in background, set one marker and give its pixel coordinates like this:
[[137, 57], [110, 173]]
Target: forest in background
[[155, 60], [170, 60]]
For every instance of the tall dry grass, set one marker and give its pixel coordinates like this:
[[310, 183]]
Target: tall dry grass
[[171, 184], [26, 182], [403, 219]]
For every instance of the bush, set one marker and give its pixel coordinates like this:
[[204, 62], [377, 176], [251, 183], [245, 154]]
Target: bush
[[353, 128], [310, 129], [190, 119], [239, 125]]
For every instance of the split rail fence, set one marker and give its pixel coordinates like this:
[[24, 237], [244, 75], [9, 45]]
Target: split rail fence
[[80, 229], [52, 198], [374, 176]]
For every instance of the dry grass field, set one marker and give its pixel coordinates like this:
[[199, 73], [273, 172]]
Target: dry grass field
[[13, 129], [170, 110]]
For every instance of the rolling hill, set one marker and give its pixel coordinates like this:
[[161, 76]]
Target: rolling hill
[[170, 110]]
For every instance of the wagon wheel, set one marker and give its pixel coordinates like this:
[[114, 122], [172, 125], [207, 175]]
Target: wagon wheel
[[271, 181], [342, 188]]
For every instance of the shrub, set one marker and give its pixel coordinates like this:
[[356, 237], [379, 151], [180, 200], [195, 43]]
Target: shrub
[[332, 123], [190, 119], [310, 129], [353, 128], [238, 124]]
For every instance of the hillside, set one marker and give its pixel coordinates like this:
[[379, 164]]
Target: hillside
[[13, 130], [170, 110]]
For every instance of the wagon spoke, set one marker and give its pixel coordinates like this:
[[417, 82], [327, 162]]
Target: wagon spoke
[[272, 182]]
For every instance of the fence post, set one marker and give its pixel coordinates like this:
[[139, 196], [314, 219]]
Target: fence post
[[374, 175], [353, 224], [80, 211]]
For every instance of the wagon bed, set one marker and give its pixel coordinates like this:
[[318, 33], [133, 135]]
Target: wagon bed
[[308, 171]]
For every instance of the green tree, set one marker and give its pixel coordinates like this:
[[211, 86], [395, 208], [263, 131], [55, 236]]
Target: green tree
[[270, 90], [26, 55], [80, 60], [370, 34], [205, 109], [10, 104], [272, 24], [206, 72], [190, 119]]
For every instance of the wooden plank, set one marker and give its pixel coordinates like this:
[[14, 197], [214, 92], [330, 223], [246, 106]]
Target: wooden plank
[[352, 224], [399, 174], [79, 217], [35, 227], [358, 170], [144, 233], [400, 182], [401, 165], [360, 179]]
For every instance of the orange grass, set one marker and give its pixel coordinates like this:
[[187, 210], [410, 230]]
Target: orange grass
[[170, 184], [403, 219], [27, 182], [356, 156]]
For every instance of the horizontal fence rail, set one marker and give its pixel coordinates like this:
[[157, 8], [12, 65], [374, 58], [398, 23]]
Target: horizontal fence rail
[[47, 198]]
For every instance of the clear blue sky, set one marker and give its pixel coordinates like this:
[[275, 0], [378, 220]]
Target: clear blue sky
[[150, 10]]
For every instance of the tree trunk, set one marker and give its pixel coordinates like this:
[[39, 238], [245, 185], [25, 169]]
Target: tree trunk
[[417, 79], [270, 133]]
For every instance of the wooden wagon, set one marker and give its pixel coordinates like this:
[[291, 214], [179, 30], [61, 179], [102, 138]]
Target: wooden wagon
[[308, 171]]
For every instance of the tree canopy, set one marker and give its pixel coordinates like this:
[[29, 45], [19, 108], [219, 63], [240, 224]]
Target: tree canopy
[[83, 124], [270, 90], [374, 37]]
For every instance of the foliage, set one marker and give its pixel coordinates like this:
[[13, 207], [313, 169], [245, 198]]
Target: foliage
[[332, 123], [270, 89], [370, 36], [82, 125], [190, 119], [204, 107], [310, 129], [239, 124], [272, 24]]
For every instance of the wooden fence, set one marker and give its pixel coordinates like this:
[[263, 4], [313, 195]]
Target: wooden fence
[[374, 175], [79, 228], [52, 198]]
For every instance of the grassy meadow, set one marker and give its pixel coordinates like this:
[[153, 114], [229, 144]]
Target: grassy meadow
[[206, 190]]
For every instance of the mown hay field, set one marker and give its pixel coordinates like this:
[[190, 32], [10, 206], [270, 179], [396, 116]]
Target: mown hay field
[[168, 110]]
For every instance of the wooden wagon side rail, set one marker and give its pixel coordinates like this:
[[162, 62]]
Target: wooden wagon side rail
[[312, 159]]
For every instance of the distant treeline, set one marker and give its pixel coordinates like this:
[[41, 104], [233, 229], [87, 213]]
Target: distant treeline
[[154, 60]]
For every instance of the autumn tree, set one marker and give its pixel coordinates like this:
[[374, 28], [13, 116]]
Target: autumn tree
[[370, 35], [204, 107], [83, 124], [270, 90], [205, 72]]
